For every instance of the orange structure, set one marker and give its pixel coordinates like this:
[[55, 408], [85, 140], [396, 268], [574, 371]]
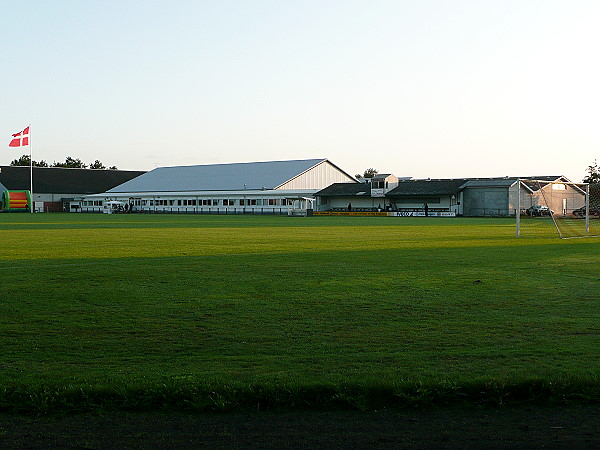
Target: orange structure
[[16, 200]]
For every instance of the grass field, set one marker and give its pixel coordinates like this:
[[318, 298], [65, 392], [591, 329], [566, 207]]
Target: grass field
[[221, 312]]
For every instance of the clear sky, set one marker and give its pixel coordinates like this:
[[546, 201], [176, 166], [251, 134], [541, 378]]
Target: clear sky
[[427, 88]]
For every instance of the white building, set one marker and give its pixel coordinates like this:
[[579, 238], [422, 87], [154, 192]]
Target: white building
[[240, 188]]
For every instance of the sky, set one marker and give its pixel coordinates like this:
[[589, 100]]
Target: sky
[[422, 89]]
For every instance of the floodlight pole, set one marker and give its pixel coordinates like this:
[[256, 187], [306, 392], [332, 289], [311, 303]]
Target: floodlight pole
[[518, 212]]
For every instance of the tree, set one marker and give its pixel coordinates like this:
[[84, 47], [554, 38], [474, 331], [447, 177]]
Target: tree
[[71, 163], [24, 161], [97, 165], [594, 174], [370, 173]]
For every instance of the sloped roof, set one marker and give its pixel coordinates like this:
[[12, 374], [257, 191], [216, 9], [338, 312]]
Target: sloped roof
[[454, 185], [530, 182], [218, 177], [544, 177], [509, 181], [501, 182], [60, 180], [346, 189], [427, 187]]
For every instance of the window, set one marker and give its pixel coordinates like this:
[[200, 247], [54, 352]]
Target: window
[[241, 202], [559, 187]]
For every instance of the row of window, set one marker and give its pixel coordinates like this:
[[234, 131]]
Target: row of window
[[204, 202], [222, 202]]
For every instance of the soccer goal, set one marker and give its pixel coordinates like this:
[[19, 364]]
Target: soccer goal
[[549, 207]]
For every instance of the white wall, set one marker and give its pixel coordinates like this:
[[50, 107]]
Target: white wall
[[318, 177], [234, 202]]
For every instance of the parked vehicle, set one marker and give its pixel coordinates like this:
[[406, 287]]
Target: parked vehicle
[[539, 211], [113, 207], [580, 212]]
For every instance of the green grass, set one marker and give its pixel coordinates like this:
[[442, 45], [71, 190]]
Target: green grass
[[216, 312]]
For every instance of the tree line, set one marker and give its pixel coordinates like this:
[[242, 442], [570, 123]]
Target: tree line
[[71, 163]]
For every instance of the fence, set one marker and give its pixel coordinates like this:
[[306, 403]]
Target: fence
[[213, 211], [489, 212]]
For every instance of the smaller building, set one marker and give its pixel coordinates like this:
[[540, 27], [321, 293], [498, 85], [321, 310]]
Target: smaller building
[[57, 188], [368, 195], [438, 196], [562, 197], [474, 197]]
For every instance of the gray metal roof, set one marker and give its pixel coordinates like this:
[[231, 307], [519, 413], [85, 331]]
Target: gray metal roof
[[454, 185], [427, 187], [249, 193], [504, 182], [509, 181], [346, 189], [218, 177]]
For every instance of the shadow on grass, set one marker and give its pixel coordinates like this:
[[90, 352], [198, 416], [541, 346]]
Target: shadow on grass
[[189, 396]]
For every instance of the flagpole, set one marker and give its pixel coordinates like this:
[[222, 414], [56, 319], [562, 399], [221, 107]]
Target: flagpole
[[31, 172]]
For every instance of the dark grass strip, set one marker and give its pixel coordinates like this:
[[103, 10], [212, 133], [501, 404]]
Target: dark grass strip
[[186, 396]]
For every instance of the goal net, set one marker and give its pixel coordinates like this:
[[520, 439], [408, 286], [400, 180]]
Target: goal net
[[550, 207]]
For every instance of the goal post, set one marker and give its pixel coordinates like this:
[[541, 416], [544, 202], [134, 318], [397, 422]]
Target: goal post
[[545, 207]]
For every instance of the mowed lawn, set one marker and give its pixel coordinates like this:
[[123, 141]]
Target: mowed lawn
[[276, 301]]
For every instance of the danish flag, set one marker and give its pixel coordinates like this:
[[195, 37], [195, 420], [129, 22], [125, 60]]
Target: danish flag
[[20, 139]]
